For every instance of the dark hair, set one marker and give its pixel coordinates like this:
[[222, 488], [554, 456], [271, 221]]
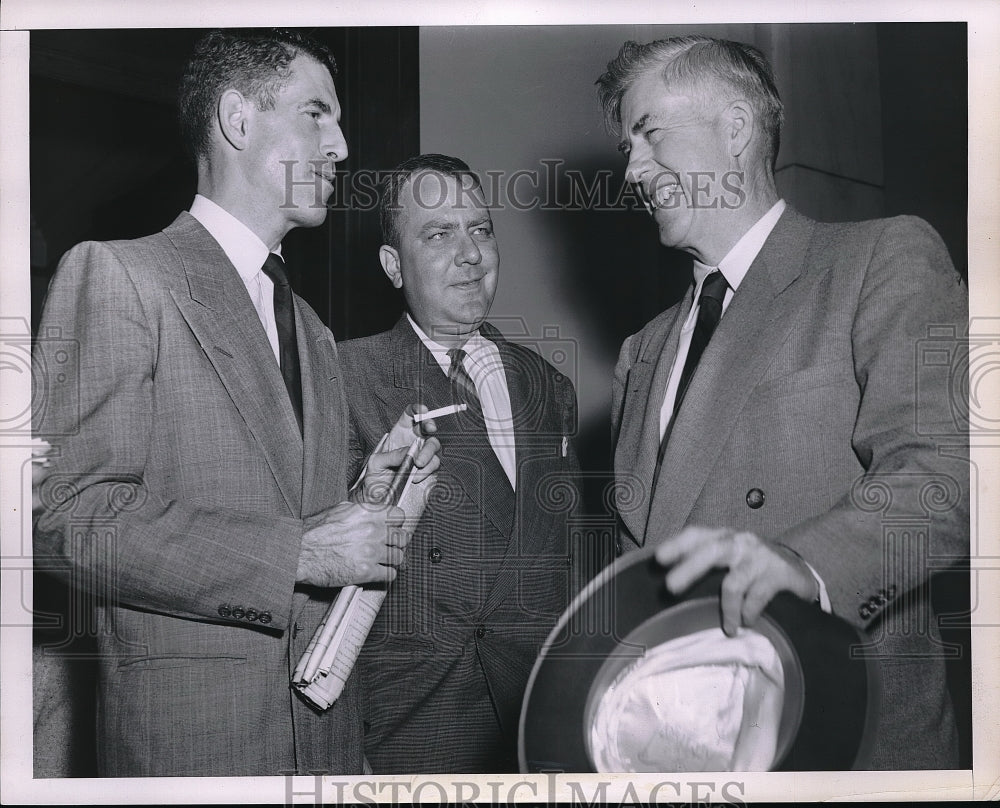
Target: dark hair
[[254, 61], [396, 179], [695, 61]]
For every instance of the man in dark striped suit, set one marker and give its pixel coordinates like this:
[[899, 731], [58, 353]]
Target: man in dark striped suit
[[487, 572]]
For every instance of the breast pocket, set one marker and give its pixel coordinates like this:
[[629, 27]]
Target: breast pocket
[[804, 381]]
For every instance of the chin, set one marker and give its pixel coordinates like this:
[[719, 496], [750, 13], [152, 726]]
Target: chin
[[311, 217]]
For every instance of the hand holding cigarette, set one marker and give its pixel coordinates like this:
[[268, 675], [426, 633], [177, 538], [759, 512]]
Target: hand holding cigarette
[[408, 450]]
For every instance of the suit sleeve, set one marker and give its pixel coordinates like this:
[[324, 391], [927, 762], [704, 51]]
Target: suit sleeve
[[908, 515], [103, 524]]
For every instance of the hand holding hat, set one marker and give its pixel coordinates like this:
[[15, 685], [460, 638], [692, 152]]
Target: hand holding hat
[[758, 570]]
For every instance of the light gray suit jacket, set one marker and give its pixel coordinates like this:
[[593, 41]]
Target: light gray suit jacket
[[808, 393], [177, 502]]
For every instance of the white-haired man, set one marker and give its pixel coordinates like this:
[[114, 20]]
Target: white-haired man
[[772, 413]]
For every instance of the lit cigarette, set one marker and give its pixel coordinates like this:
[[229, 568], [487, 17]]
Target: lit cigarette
[[451, 409]]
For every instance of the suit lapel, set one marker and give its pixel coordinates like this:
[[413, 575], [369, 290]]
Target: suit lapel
[[639, 435], [418, 377], [221, 315], [324, 413], [755, 324], [535, 420]]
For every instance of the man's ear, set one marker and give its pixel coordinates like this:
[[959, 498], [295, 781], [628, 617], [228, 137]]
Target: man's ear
[[233, 118], [389, 256], [739, 126]]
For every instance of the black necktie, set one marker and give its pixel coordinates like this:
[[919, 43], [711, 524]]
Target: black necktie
[[713, 292], [284, 319], [463, 389]]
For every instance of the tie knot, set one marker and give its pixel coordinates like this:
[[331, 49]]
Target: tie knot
[[274, 268], [714, 287], [457, 357]]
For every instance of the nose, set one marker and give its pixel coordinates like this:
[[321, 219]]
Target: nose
[[468, 251], [638, 163], [335, 144]]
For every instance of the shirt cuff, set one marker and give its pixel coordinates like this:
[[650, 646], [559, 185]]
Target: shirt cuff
[[824, 597]]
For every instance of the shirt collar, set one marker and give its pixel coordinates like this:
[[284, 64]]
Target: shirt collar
[[736, 264], [241, 245], [473, 347]]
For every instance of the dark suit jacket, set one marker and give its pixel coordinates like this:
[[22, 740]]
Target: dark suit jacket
[[487, 572], [182, 484], [813, 392]]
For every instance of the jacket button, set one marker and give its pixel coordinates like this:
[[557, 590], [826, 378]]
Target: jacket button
[[434, 555], [265, 617], [238, 612], [225, 611], [873, 604], [481, 632], [755, 498], [864, 611], [252, 615]]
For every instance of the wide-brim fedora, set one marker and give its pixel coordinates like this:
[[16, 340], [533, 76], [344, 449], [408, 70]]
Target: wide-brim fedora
[[830, 700]]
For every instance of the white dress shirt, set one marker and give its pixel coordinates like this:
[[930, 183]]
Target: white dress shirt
[[247, 253], [485, 368]]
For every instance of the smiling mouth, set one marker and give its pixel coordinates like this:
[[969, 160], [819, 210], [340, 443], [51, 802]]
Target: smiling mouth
[[665, 194]]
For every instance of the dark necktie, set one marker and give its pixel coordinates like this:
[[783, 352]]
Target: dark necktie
[[284, 319], [713, 292], [463, 389]]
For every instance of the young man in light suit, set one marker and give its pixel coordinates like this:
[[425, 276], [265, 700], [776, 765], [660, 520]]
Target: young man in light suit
[[202, 439], [771, 417], [487, 574]]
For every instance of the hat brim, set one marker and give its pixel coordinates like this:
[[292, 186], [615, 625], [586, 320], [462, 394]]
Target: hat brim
[[831, 695]]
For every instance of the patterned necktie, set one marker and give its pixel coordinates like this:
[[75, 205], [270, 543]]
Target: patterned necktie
[[463, 389], [713, 292], [284, 319]]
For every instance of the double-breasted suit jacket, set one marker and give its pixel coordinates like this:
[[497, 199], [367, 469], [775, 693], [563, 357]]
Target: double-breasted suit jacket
[[811, 421], [177, 502], [487, 571]]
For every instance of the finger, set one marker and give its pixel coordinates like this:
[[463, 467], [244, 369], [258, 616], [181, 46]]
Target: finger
[[393, 556], [731, 600], [424, 428], [427, 461], [382, 461], [395, 516], [382, 574], [686, 542], [698, 561], [428, 452], [758, 595]]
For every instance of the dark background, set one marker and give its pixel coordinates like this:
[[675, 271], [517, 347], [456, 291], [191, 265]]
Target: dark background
[[106, 162]]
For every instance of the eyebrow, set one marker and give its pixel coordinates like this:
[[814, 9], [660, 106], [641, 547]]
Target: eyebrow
[[445, 224], [438, 224], [635, 129], [319, 104], [640, 124]]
